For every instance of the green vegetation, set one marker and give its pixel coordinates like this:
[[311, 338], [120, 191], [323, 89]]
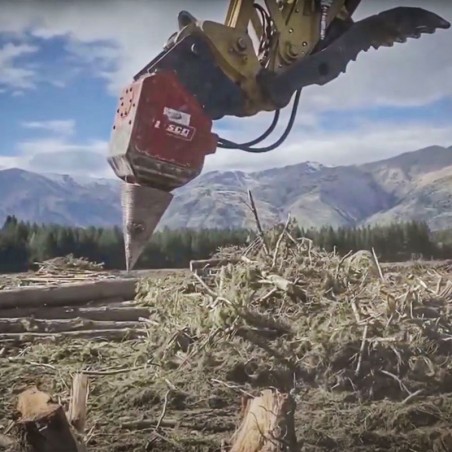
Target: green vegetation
[[443, 237], [22, 244]]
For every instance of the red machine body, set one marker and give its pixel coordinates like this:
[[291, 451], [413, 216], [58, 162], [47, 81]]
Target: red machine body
[[161, 134]]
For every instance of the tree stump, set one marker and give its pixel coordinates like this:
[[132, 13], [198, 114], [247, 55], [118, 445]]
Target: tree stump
[[43, 424], [268, 425]]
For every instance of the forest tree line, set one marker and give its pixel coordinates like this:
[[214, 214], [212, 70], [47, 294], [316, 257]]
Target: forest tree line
[[23, 244]]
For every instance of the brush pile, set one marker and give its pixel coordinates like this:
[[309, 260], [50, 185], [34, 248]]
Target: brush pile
[[58, 270], [68, 263], [363, 351]]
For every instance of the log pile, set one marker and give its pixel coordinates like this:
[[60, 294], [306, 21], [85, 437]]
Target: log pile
[[94, 309]]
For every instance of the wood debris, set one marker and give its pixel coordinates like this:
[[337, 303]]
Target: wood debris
[[357, 351], [79, 402]]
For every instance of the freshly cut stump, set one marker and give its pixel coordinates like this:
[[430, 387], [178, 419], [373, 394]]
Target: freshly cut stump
[[268, 425], [44, 424]]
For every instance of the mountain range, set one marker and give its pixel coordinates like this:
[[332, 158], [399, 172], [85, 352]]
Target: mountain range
[[415, 185]]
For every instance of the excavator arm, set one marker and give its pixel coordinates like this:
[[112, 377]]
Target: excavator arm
[[263, 54], [254, 41]]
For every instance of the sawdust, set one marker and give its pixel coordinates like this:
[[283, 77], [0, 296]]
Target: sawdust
[[365, 351]]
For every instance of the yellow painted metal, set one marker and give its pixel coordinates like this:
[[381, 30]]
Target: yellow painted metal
[[296, 32]]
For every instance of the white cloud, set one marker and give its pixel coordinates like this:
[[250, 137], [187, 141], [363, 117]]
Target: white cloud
[[368, 142], [12, 74], [9, 162], [59, 151], [59, 144], [121, 36], [64, 127], [413, 73], [81, 160], [61, 155]]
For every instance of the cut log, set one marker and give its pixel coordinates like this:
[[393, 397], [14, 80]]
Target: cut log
[[122, 313], [79, 402], [69, 294], [61, 325], [107, 335], [44, 423], [268, 425]]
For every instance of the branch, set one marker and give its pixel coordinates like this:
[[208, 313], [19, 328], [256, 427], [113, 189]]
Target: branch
[[258, 223]]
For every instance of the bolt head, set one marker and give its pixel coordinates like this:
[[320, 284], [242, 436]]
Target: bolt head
[[241, 44], [293, 50]]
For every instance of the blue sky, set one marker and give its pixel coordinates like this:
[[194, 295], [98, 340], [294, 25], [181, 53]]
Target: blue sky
[[62, 65]]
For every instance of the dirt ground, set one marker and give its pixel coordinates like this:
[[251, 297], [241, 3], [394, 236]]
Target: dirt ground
[[363, 348]]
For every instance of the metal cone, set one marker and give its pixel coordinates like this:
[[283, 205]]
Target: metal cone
[[142, 209]]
